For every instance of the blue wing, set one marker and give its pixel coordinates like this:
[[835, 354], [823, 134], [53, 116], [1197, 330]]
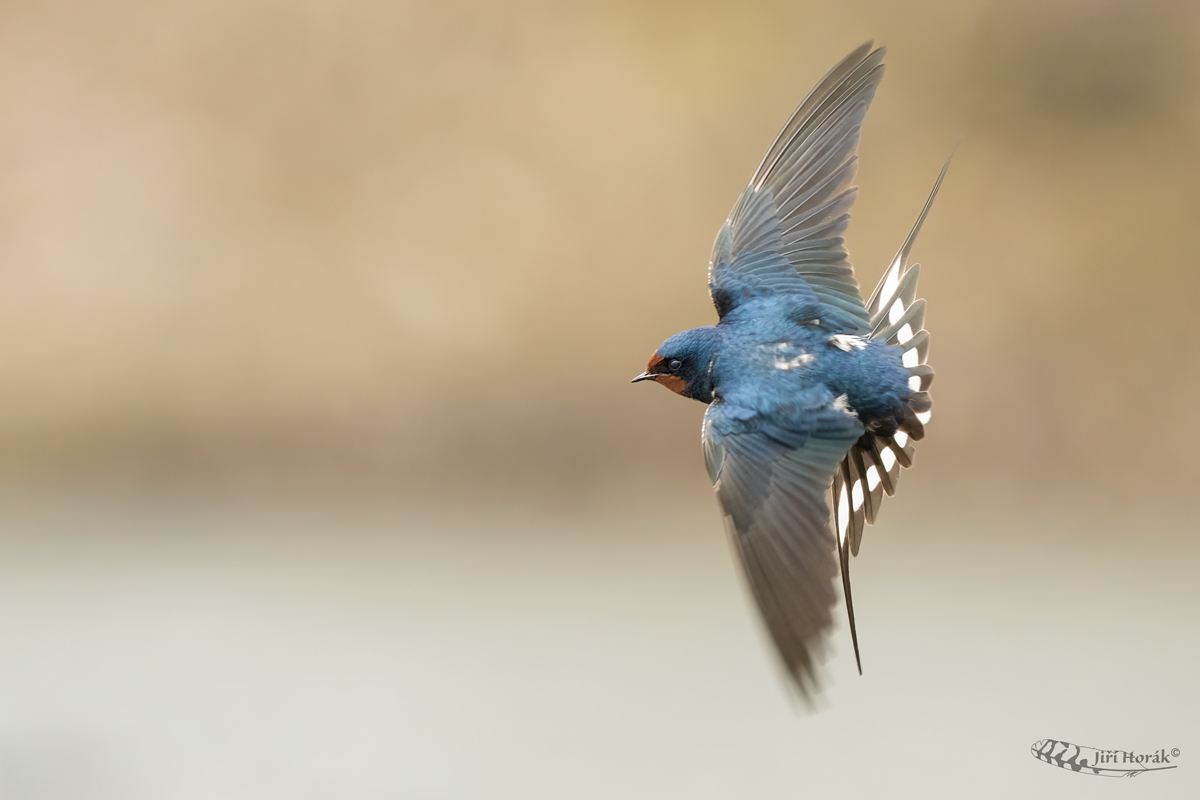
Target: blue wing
[[771, 481], [784, 235]]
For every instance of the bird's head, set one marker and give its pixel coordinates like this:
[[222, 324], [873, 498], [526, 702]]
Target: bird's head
[[684, 362]]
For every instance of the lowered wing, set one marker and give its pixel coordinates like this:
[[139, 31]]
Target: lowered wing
[[771, 484]]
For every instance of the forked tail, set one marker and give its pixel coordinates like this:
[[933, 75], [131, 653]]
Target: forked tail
[[872, 466]]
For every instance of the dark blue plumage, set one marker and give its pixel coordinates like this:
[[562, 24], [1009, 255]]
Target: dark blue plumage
[[811, 392]]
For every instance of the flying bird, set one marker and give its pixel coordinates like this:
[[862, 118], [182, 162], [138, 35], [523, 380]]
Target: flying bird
[[814, 397]]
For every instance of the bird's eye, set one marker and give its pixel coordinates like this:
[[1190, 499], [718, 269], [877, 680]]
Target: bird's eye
[[674, 364]]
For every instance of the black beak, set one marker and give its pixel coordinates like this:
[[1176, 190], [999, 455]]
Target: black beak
[[645, 376]]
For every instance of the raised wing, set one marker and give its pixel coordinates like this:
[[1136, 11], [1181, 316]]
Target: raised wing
[[784, 235], [771, 484]]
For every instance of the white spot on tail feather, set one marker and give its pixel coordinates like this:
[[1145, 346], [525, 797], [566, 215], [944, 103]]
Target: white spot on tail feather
[[888, 458], [904, 334], [857, 495], [914, 383], [924, 416], [901, 438], [895, 312], [890, 282], [910, 358], [872, 477]]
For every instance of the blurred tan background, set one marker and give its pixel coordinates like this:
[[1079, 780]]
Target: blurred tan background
[[320, 468]]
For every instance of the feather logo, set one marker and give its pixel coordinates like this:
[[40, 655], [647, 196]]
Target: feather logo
[[1107, 763]]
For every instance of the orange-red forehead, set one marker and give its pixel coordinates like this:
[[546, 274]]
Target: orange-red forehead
[[655, 360]]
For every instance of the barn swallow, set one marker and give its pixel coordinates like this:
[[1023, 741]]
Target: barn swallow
[[814, 397]]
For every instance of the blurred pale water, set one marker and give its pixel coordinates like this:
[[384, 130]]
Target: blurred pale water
[[348, 647]]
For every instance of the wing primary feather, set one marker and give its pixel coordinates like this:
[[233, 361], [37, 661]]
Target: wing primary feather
[[824, 86]]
